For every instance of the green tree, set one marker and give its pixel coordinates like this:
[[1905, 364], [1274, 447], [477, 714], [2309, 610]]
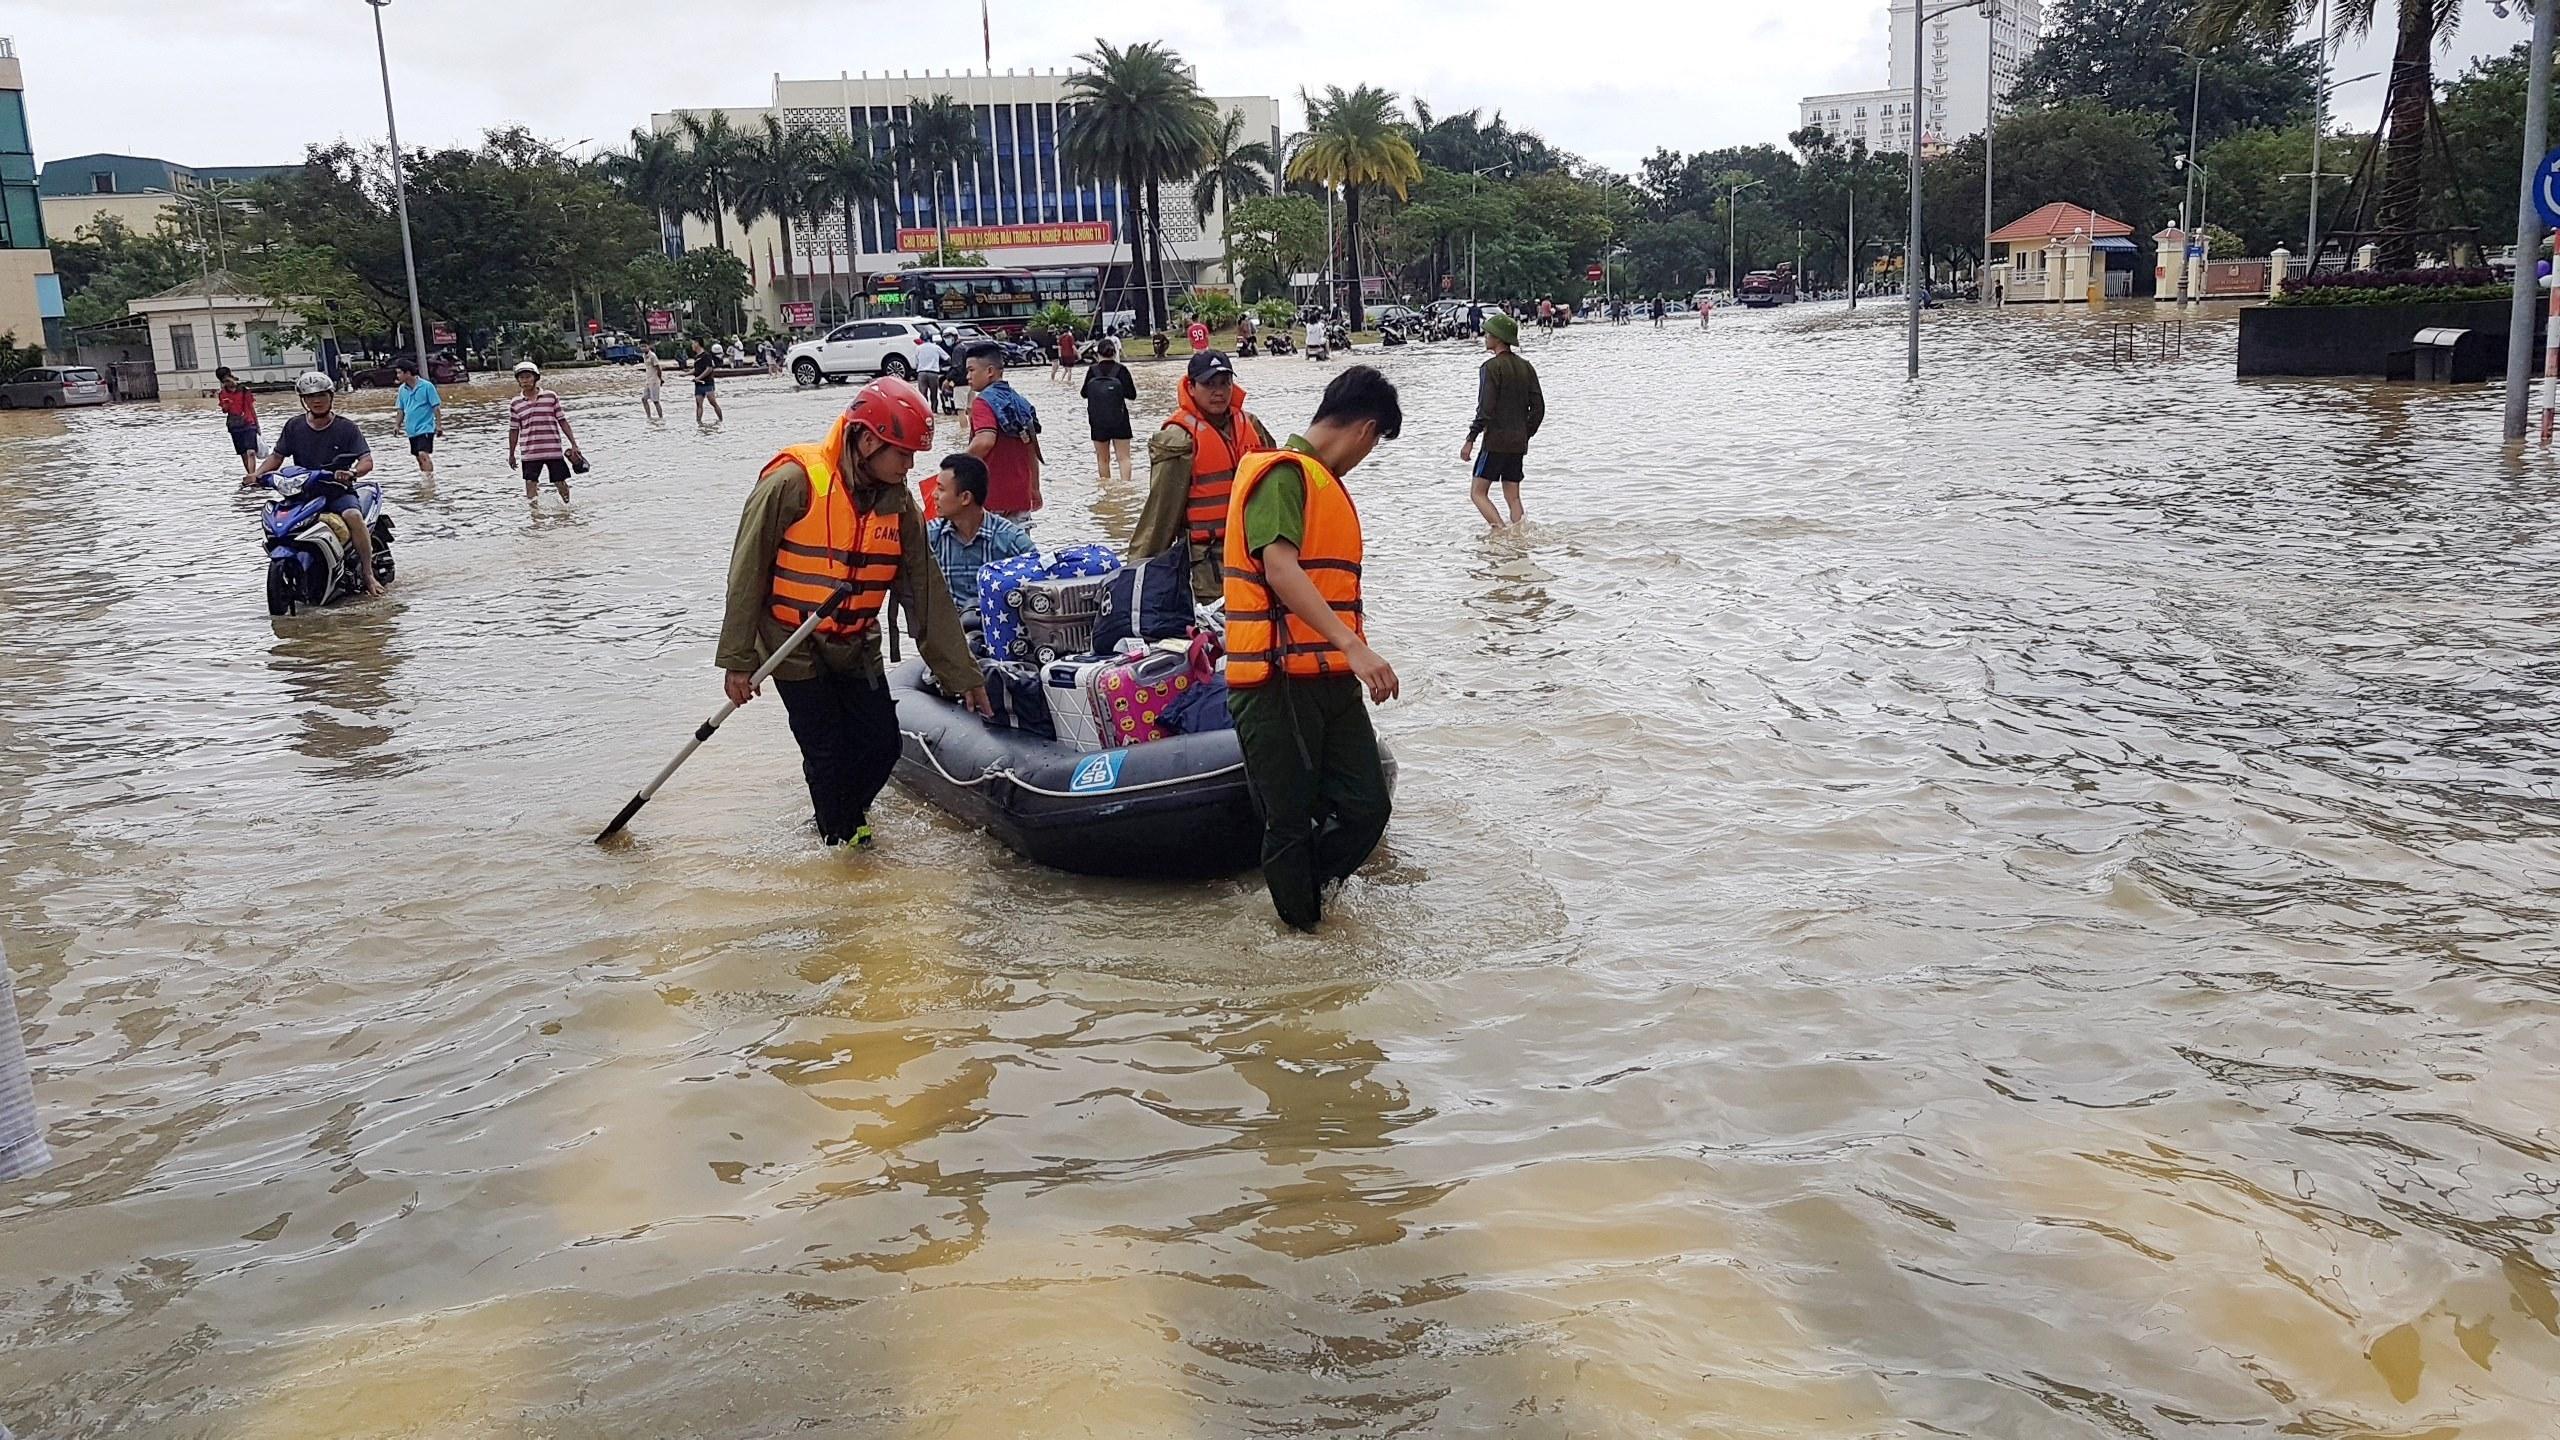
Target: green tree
[[714, 282], [848, 174], [1140, 122], [2402, 196], [652, 172], [1231, 166], [2113, 162], [2250, 194], [2123, 54], [1355, 140], [940, 135], [2483, 114], [108, 265], [1273, 237]]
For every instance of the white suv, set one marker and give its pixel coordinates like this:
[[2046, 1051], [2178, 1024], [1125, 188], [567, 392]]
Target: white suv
[[859, 347]]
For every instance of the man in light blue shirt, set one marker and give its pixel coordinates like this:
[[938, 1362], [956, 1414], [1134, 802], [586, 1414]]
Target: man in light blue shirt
[[421, 415], [966, 538]]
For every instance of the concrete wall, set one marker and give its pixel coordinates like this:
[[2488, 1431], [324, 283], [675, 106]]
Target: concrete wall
[[65, 216], [228, 320], [2351, 339], [19, 313]]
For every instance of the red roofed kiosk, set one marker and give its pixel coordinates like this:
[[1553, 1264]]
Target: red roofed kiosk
[[2060, 253]]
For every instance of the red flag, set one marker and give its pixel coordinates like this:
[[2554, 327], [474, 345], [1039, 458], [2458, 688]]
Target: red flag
[[986, 32]]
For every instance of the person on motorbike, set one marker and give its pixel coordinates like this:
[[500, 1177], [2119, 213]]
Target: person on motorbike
[[331, 444]]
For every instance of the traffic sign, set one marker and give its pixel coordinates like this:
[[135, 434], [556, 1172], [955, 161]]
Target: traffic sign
[[594, 325], [1591, 274], [2546, 189]]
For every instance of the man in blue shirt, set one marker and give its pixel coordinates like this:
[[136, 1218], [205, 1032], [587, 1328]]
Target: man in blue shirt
[[421, 416], [967, 538]]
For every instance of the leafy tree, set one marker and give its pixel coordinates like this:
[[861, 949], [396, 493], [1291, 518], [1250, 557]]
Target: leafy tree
[[777, 167], [1140, 122], [1275, 236], [2401, 199], [714, 282], [2250, 194], [652, 172], [1356, 140], [2113, 162], [2483, 114], [1231, 166], [313, 285], [847, 174], [107, 265], [712, 154], [2123, 54]]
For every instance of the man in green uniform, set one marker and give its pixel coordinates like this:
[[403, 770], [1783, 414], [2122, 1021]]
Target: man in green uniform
[[1298, 657], [1509, 409]]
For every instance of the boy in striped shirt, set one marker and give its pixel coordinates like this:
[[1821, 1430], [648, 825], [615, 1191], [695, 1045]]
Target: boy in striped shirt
[[538, 434]]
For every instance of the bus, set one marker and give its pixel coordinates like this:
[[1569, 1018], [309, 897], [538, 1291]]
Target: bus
[[999, 301], [1763, 288]]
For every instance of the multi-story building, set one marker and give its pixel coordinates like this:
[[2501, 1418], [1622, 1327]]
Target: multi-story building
[[30, 293], [135, 189], [1017, 203], [1972, 56]]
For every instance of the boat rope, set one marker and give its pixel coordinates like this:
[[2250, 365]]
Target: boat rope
[[1006, 772]]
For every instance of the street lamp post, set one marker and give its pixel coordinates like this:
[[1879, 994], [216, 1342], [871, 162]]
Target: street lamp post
[[2311, 231], [2537, 124], [1733, 266], [2319, 122], [2187, 200], [400, 194], [1473, 177], [1990, 116], [1911, 248]]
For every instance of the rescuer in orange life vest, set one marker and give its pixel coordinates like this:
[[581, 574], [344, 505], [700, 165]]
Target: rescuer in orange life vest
[[824, 516], [1298, 653], [1191, 468]]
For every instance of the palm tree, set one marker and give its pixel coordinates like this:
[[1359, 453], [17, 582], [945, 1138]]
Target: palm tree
[[1233, 166], [652, 173], [849, 175], [774, 166], [940, 135], [1140, 120], [711, 164], [1353, 140], [2406, 104]]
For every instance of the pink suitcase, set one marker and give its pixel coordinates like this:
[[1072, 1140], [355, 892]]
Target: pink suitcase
[[1134, 693]]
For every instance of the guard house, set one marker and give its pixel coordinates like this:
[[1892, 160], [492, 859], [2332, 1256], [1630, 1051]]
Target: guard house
[[2060, 253]]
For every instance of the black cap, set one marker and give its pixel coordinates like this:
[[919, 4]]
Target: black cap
[[1211, 362]]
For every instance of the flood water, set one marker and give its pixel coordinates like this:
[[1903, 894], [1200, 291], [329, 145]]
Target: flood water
[[2021, 908]]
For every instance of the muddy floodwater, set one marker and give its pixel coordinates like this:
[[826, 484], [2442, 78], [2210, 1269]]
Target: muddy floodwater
[[2022, 907]]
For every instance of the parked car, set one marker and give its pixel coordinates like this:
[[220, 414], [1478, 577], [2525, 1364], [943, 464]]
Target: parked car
[[1382, 315], [441, 370], [880, 346], [48, 387], [620, 353]]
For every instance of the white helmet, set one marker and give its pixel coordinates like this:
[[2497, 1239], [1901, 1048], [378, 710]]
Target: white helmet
[[314, 382]]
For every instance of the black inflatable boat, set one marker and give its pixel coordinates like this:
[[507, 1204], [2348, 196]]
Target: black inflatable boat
[[1175, 808]]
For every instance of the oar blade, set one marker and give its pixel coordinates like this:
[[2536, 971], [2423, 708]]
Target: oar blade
[[620, 820]]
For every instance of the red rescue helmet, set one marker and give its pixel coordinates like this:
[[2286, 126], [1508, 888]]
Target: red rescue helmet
[[893, 410]]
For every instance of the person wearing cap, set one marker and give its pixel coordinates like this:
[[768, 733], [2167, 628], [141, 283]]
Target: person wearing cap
[[421, 415], [834, 516], [538, 435], [1509, 409], [1191, 469]]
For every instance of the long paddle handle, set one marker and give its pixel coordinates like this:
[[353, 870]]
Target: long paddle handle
[[711, 727]]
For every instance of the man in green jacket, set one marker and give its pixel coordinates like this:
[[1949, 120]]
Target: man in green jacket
[[1509, 409]]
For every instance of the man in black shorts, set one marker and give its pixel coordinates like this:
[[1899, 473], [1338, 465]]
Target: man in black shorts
[[319, 439], [1509, 409], [704, 382]]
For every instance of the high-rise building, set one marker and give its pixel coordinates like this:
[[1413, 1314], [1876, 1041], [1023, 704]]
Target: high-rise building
[[1018, 203], [1970, 53], [30, 293]]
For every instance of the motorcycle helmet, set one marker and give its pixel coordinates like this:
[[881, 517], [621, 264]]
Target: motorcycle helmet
[[314, 382], [893, 410]]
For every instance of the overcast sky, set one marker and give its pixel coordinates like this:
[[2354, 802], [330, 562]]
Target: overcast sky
[[253, 81]]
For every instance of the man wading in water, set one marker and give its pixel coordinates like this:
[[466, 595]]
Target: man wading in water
[[828, 515], [1509, 409], [1297, 656]]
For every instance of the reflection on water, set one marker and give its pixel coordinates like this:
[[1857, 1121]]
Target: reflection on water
[[2016, 908]]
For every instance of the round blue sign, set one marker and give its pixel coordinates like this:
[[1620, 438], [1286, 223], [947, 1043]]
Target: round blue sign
[[2546, 189]]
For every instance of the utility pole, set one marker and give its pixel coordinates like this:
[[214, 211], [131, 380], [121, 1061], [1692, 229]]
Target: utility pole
[[400, 191], [2319, 122], [1733, 280], [1990, 117], [2537, 130]]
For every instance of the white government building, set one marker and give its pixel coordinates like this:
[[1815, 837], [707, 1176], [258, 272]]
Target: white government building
[[1969, 53], [1018, 204]]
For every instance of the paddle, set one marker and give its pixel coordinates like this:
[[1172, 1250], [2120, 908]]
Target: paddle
[[711, 726]]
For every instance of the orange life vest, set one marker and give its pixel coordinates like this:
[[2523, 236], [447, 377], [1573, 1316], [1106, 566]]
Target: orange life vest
[[1213, 466], [1262, 637], [832, 544]]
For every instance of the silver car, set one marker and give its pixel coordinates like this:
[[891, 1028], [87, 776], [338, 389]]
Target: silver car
[[47, 387]]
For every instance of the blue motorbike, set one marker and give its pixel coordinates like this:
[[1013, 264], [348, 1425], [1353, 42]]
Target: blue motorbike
[[310, 554]]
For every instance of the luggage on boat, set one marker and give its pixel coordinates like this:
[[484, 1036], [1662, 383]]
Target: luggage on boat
[[1000, 604], [1058, 614], [1136, 689], [1075, 700]]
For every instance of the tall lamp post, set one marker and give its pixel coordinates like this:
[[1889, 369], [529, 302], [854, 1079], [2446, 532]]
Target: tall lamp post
[[2187, 200], [1733, 266], [2537, 125], [400, 194], [1911, 248], [1990, 116], [2311, 230], [1473, 176]]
